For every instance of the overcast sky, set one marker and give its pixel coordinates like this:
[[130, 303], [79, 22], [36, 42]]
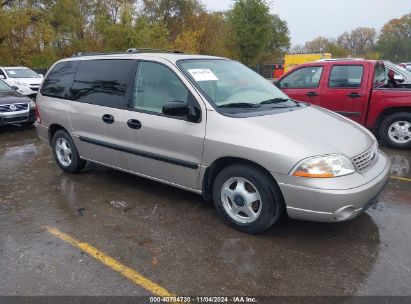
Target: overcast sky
[[308, 19]]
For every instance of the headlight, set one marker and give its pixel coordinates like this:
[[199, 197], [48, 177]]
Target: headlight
[[32, 104], [324, 166]]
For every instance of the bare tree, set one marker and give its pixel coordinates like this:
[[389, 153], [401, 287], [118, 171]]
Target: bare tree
[[359, 41]]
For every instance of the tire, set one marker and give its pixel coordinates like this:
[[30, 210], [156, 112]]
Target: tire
[[65, 153], [395, 130], [232, 203]]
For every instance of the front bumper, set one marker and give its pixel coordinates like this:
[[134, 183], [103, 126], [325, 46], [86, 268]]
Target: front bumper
[[27, 116], [333, 203]]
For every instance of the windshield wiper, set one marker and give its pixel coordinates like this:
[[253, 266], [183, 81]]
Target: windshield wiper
[[240, 105], [275, 100]]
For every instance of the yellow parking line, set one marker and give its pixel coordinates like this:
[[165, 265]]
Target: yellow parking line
[[129, 273], [401, 178]]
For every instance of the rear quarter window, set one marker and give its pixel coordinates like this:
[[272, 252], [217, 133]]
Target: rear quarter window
[[59, 80], [346, 76], [101, 82]]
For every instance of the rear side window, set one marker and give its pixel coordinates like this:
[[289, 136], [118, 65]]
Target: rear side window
[[59, 80], [101, 82], [346, 76], [308, 77], [380, 75]]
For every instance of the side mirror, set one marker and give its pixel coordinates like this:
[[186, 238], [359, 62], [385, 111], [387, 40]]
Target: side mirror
[[2, 77], [178, 108], [399, 79], [41, 75], [14, 88]]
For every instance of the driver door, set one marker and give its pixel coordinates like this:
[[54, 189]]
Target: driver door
[[156, 145], [303, 84]]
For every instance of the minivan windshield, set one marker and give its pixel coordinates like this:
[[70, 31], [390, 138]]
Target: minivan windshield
[[4, 87], [21, 73], [229, 84]]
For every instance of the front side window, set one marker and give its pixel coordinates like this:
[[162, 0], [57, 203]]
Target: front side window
[[228, 84], [59, 80], [155, 85], [101, 82], [304, 78], [346, 76], [21, 73]]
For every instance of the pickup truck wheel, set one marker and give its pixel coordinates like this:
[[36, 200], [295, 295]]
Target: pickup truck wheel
[[396, 130], [65, 153], [247, 199]]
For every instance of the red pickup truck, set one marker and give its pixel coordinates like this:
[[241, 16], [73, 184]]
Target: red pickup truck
[[363, 90]]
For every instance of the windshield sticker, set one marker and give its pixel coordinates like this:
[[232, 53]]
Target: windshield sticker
[[202, 74], [12, 72]]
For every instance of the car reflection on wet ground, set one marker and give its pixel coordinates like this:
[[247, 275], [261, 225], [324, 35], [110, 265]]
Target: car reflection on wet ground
[[175, 239]]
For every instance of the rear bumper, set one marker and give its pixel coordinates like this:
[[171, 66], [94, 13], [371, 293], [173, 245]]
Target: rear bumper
[[42, 132], [334, 205]]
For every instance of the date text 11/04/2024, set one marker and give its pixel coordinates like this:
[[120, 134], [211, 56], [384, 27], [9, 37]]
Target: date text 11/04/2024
[[203, 299]]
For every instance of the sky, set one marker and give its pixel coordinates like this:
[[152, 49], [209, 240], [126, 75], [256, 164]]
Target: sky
[[308, 19]]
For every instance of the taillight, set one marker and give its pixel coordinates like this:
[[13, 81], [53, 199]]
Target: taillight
[[38, 113]]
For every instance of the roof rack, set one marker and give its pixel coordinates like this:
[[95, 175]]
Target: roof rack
[[149, 50], [128, 51], [339, 59]]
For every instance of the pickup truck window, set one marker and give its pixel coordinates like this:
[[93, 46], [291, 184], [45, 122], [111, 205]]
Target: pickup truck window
[[380, 76], [308, 77], [346, 76]]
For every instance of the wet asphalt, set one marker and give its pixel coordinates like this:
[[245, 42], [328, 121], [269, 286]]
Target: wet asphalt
[[175, 239]]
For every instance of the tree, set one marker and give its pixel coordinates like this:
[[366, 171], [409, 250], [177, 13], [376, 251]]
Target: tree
[[359, 41], [395, 39], [279, 40], [36, 33], [324, 45], [257, 35], [174, 14]]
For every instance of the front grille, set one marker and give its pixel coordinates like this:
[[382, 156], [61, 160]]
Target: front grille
[[366, 160], [34, 89], [15, 119], [18, 107]]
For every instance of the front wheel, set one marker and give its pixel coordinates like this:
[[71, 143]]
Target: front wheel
[[396, 130], [247, 199]]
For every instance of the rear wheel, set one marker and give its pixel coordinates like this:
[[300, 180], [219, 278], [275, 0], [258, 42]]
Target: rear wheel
[[396, 130], [65, 152], [246, 198]]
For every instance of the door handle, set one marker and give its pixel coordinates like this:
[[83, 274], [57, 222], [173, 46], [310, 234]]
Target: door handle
[[108, 118], [354, 95], [134, 124], [312, 94]]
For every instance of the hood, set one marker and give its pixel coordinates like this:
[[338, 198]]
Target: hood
[[26, 80], [12, 96], [280, 140], [317, 130]]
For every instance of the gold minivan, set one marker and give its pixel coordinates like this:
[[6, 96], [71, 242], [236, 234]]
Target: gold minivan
[[214, 127]]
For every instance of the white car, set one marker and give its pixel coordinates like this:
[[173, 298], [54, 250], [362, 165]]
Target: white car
[[24, 79], [406, 65], [401, 74]]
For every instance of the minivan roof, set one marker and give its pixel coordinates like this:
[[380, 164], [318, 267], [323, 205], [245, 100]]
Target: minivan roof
[[172, 57]]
